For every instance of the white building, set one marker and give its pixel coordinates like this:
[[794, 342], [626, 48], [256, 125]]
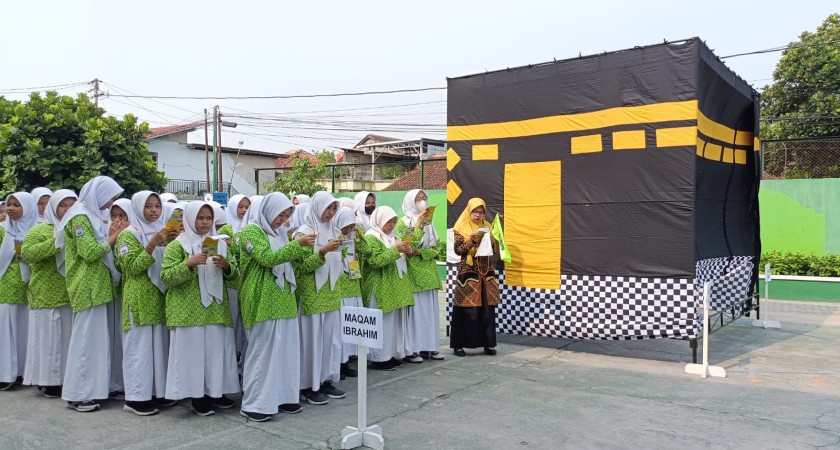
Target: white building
[[186, 164]]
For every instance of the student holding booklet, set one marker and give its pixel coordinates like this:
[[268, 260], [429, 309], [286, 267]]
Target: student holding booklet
[[349, 284], [202, 354], [424, 316]]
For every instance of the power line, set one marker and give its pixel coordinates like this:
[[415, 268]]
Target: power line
[[270, 97], [336, 110], [40, 88], [780, 49]]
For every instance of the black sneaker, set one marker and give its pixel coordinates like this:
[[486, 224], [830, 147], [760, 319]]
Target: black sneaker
[[314, 397], [50, 391], [395, 362], [384, 365], [348, 371], [291, 408], [331, 391], [86, 406], [6, 386], [116, 395], [254, 416], [221, 402], [140, 408], [164, 402], [202, 407]]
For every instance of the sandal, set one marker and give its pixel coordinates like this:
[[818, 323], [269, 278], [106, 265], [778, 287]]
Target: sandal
[[460, 352], [490, 351]]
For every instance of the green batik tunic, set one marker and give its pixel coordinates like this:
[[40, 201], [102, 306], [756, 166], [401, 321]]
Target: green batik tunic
[[392, 292], [47, 287], [311, 300], [12, 287], [260, 298], [145, 301], [88, 279], [233, 251], [422, 268], [183, 299], [345, 286]]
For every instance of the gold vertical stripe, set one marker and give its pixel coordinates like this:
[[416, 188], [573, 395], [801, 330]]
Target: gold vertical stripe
[[533, 224], [700, 145], [712, 152], [740, 156], [485, 152], [676, 137], [756, 144], [628, 140], [624, 115], [586, 144], [728, 155]]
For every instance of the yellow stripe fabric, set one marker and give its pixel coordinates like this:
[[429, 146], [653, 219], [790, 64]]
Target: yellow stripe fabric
[[676, 137], [722, 132], [628, 140], [485, 152], [586, 144]]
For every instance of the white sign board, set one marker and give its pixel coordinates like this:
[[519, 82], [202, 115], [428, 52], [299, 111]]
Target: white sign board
[[361, 326], [208, 197]]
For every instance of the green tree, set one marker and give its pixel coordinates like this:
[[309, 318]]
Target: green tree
[[804, 102], [301, 179], [62, 142]]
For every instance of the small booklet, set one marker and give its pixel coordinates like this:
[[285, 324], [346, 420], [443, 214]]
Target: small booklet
[[291, 232], [18, 249], [210, 245], [174, 223], [354, 270], [408, 237], [430, 214]]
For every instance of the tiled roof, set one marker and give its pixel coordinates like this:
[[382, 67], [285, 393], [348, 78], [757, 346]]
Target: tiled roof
[[434, 176], [376, 138], [286, 160], [173, 129]]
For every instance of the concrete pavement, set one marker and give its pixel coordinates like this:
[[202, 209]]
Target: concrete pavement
[[782, 392]]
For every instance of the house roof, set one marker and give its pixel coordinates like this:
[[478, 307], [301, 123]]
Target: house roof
[[236, 150], [158, 132], [375, 138], [286, 160], [434, 176]]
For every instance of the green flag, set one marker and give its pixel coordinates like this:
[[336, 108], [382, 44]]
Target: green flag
[[504, 253]]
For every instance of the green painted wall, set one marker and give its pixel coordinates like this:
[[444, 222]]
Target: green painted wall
[[800, 215], [394, 199]]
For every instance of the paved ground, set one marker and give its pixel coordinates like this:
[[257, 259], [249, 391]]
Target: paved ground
[[782, 392]]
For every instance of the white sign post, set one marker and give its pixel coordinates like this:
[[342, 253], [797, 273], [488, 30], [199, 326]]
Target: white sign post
[[766, 306], [704, 370], [363, 327]]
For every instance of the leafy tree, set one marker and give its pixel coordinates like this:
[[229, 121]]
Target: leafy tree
[[62, 142], [804, 102], [301, 179]]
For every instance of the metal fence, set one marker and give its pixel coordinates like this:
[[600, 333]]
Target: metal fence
[[192, 188], [379, 176], [801, 158]]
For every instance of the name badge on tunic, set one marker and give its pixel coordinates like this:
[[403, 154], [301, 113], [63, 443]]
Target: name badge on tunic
[[249, 247], [123, 249], [79, 231]]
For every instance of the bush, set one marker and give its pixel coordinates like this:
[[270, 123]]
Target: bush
[[794, 263], [441, 250]]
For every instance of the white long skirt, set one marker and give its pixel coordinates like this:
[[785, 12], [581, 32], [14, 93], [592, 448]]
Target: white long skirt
[[348, 350], [145, 353], [115, 335], [88, 372], [320, 349], [14, 326], [239, 334], [49, 341], [397, 342], [272, 366], [424, 322], [202, 361]]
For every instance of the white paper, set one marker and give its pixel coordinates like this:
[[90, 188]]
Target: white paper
[[485, 247]]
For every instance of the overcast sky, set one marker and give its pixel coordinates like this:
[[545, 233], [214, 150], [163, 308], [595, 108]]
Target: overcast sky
[[259, 48]]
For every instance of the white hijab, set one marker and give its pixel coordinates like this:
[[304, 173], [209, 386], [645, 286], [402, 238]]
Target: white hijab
[[378, 219], [39, 192], [344, 217], [347, 202], [16, 231], [297, 216], [94, 195], [269, 208], [252, 215], [211, 281], [168, 197], [232, 213], [363, 217], [52, 218], [125, 205], [409, 207], [333, 266], [143, 230], [219, 214]]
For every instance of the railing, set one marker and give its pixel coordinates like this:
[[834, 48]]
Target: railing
[[193, 188]]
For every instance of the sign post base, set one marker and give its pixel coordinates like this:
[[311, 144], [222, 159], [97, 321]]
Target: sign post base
[[705, 370], [371, 437]]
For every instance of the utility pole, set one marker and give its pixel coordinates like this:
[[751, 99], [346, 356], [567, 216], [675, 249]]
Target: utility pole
[[206, 150], [221, 173], [215, 147], [96, 93]]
